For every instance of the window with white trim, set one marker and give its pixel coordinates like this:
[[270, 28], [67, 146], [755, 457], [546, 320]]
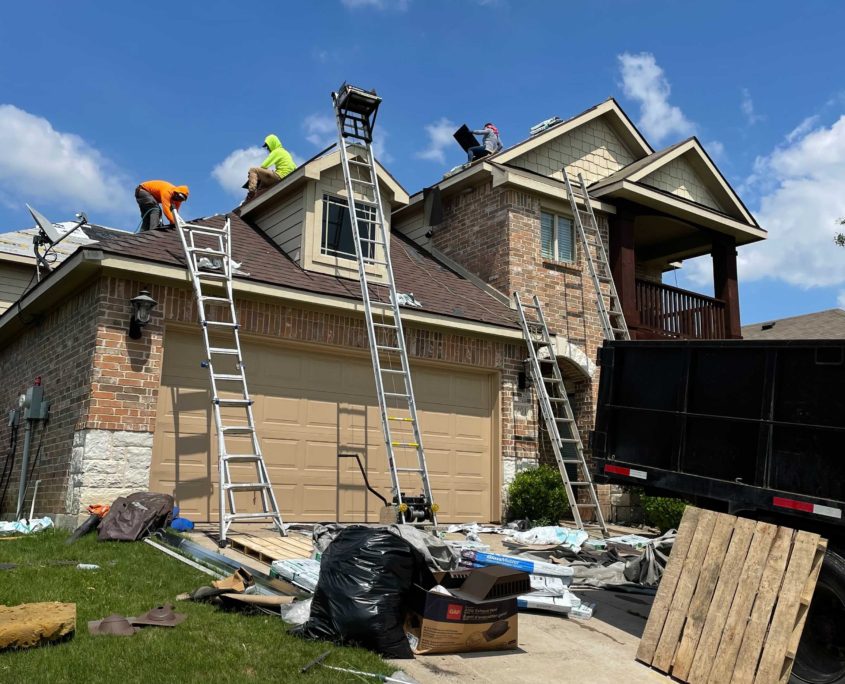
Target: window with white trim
[[336, 237], [557, 237]]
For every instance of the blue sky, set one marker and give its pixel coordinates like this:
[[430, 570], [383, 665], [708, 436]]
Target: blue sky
[[95, 97]]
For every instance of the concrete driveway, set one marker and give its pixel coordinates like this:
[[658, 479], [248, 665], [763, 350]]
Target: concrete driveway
[[554, 648]]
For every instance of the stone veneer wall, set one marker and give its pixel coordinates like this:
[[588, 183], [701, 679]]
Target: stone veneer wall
[[104, 386]]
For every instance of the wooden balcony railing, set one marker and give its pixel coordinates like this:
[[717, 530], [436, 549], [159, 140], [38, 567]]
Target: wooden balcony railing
[[670, 312]]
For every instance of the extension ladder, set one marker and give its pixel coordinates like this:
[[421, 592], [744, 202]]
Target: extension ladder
[[355, 111], [557, 413], [208, 252], [612, 319]]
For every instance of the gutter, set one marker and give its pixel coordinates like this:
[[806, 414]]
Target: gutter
[[86, 262]]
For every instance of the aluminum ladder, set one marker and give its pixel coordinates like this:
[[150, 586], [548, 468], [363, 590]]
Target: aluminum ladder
[[557, 412], [355, 111], [208, 253], [612, 319]]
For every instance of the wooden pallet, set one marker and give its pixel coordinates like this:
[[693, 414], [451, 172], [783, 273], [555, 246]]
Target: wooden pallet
[[733, 600], [271, 547]]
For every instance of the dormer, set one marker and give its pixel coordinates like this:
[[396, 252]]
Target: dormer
[[307, 215]]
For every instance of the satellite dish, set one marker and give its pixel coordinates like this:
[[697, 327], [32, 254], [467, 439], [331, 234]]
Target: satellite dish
[[45, 226]]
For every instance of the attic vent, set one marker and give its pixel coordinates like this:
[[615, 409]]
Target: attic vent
[[543, 125], [768, 326]]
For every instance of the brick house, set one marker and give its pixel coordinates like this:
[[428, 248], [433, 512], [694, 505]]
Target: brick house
[[134, 414]]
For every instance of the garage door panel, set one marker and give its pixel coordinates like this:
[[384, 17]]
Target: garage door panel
[[308, 408], [280, 411]]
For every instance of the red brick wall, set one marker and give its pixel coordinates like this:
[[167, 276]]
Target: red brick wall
[[59, 347], [504, 225], [100, 379]]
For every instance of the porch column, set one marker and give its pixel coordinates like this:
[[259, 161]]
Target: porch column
[[725, 283], [623, 263]]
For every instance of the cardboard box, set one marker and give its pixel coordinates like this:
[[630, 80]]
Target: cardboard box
[[438, 623]]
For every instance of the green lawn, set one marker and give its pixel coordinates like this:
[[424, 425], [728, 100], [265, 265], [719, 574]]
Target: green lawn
[[210, 646]]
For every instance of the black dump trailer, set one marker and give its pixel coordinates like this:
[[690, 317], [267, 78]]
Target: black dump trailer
[[753, 428]]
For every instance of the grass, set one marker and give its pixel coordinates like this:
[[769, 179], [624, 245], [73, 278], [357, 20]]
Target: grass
[[210, 646]]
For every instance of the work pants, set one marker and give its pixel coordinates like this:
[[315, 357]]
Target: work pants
[[150, 211], [262, 178]]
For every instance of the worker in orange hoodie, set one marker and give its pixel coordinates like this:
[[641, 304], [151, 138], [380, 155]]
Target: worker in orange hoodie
[[150, 194]]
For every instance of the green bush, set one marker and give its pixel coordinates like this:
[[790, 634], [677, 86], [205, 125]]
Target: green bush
[[662, 512], [537, 495]]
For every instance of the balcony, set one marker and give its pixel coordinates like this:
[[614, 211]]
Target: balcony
[[667, 312]]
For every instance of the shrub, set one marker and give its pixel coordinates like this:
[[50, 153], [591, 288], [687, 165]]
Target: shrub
[[663, 512], [537, 495]]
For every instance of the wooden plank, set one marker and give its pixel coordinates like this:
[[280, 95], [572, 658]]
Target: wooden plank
[[767, 593], [671, 633], [786, 612], [749, 580], [668, 582], [804, 608], [717, 614], [703, 597]]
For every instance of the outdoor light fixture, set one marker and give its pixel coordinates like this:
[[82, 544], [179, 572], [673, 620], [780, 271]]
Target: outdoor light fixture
[[142, 308]]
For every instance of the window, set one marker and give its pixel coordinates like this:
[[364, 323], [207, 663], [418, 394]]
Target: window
[[557, 237], [337, 228]]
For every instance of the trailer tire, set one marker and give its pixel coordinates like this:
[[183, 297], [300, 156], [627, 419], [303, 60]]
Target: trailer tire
[[821, 653]]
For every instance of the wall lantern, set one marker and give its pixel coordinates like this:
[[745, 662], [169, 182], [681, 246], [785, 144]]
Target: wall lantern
[[142, 308]]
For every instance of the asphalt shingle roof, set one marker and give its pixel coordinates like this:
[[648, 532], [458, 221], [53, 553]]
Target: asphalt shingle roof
[[822, 325], [438, 289]]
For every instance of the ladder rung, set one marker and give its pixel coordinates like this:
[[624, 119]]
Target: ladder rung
[[234, 402], [409, 470], [250, 516], [241, 458], [358, 163], [207, 251], [392, 349], [372, 242], [230, 377], [238, 429], [570, 460], [393, 370], [580, 484], [564, 420], [584, 505], [569, 441], [211, 230], [395, 394], [246, 485], [405, 444], [403, 420], [384, 325], [558, 400], [221, 324], [222, 350], [215, 300], [374, 262], [214, 275], [362, 182]]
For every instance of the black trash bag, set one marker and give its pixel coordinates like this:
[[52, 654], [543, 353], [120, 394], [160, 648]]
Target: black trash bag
[[135, 516], [361, 598]]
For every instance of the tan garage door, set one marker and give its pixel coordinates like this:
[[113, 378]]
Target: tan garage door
[[311, 406]]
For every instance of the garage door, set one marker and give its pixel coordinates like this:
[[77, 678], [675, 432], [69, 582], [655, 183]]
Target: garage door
[[309, 407]]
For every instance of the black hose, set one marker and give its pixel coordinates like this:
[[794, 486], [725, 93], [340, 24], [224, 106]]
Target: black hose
[[9, 464]]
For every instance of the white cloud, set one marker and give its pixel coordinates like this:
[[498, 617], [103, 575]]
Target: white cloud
[[715, 149], [440, 136], [399, 5], [804, 127], [232, 171], [643, 80], [380, 152], [747, 107], [800, 211], [40, 164], [320, 129], [840, 300]]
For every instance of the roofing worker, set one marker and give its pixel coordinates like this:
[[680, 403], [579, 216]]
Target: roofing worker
[[150, 194], [281, 161], [490, 143]]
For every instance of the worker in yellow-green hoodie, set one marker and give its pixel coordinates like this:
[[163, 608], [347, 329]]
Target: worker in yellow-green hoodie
[[279, 158]]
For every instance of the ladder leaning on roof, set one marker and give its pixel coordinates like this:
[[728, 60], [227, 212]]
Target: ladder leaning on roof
[[208, 252], [557, 413], [355, 110], [612, 319]]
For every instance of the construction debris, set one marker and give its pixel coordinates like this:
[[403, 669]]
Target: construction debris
[[303, 572], [24, 526]]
